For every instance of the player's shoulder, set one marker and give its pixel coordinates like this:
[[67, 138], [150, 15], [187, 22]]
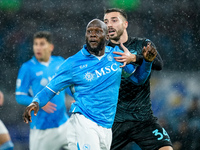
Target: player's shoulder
[[109, 49], [57, 58], [139, 39], [68, 62], [29, 63]]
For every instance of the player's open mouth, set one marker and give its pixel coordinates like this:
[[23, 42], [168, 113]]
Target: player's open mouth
[[111, 31], [38, 54], [93, 42]]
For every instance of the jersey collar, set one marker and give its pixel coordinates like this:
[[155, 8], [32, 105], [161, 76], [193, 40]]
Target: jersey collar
[[36, 61]]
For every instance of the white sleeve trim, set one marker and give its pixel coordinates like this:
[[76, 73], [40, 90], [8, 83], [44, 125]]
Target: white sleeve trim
[[52, 90]]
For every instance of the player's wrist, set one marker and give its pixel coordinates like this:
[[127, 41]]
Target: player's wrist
[[147, 61], [133, 58], [36, 101]]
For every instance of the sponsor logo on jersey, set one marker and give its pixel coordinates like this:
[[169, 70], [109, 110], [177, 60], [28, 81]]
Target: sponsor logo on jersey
[[101, 72], [106, 70], [83, 66], [89, 76]]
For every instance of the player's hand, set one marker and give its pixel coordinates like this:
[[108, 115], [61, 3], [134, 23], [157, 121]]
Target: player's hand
[[50, 107], [149, 52], [126, 57], [27, 113], [1, 98]]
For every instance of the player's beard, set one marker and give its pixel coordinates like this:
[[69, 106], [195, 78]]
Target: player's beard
[[96, 50], [117, 37]]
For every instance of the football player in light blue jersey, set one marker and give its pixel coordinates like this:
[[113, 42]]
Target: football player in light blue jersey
[[94, 77], [5, 140], [33, 76]]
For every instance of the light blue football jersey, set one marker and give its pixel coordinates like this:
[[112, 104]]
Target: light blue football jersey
[[33, 76], [94, 82]]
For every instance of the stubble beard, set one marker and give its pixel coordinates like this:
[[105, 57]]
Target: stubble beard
[[117, 37]]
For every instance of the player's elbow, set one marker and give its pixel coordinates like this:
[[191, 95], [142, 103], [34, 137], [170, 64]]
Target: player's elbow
[[160, 67], [157, 67], [20, 99]]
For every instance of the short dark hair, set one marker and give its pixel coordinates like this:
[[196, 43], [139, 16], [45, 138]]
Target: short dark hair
[[44, 34], [121, 11]]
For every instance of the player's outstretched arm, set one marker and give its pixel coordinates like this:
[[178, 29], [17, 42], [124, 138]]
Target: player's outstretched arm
[[157, 63], [34, 106], [142, 72]]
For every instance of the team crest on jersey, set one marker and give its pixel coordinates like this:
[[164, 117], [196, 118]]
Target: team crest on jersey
[[86, 147], [110, 58], [89, 76]]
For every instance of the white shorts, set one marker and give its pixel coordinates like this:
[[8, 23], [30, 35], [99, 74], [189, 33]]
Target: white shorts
[[49, 139], [84, 134], [3, 129]]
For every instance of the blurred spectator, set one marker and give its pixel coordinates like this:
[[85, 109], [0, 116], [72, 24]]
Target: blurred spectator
[[182, 139], [193, 114]]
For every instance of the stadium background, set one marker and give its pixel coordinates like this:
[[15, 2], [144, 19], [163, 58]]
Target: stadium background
[[173, 25]]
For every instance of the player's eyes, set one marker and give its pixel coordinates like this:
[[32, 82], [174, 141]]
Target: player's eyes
[[115, 20], [42, 44]]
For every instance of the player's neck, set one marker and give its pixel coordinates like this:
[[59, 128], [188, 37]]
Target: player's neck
[[99, 53], [123, 38], [45, 60]]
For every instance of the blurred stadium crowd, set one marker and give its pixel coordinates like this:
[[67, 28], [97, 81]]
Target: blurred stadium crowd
[[172, 25]]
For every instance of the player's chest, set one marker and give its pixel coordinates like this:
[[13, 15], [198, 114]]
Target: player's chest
[[96, 71]]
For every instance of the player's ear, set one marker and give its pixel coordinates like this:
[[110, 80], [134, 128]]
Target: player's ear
[[52, 47], [125, 24]]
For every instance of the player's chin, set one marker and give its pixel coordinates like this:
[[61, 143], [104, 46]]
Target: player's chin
[[94, 46], [113, 37], [39, 58]]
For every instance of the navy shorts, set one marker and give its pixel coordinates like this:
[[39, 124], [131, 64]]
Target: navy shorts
[[149, 135]]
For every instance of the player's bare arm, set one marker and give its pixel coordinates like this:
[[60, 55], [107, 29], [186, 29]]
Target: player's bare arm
[[149, 52], [125, 57], [27, 113]]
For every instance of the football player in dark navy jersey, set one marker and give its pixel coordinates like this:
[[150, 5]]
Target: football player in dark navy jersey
[[134, 120]]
